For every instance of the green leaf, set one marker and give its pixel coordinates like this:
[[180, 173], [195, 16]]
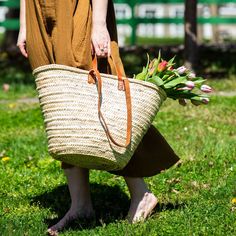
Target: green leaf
[[172, 83], [141, 76], [198, 82], [165, 77], [170, 62], [159, 56], [148, 60], [197, 78], [181, 94], [196, 98], [156, 80]]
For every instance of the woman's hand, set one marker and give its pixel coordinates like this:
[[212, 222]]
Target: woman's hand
[[21, 41], [101, 42]]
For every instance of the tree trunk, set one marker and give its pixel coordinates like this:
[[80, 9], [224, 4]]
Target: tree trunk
[[190, 27]]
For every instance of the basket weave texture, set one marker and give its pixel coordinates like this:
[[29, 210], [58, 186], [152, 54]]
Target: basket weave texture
[[70, 109]]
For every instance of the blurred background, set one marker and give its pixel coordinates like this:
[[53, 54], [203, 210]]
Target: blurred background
[[201, 33]]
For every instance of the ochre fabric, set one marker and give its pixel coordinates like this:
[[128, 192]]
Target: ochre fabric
[[59, 31]]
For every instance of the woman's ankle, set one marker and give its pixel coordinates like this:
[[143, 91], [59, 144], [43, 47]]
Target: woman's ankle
[[137, 187], [80, 211]]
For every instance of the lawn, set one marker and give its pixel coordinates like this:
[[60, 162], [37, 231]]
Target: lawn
[[195, 197]]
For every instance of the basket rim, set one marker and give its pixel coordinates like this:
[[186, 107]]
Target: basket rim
[[109, 76]]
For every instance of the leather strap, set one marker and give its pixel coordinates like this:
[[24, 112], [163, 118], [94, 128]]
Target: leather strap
[[118, 71], [94, 73]]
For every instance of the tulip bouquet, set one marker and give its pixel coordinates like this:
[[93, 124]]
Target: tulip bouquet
[[178, 83]]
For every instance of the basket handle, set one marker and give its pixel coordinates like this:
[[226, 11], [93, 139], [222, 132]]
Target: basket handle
[[95, 74], [118, 71]]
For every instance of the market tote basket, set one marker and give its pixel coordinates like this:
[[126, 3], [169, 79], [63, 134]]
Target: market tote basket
[[90, 121]]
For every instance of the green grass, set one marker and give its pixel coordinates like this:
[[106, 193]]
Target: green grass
[[194, 198], [18, 91], [224, 84]]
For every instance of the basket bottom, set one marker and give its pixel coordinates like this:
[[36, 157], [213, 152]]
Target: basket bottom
[[87, 161]]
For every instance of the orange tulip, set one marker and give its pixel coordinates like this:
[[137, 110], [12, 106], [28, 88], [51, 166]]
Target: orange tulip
[[162, 66]]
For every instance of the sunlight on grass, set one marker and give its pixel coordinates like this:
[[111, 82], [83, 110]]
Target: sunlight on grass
[[17, 91], [224, 84], [195, 197]]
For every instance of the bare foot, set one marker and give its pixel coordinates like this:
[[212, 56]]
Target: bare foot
[[141, 208], [69, 217]]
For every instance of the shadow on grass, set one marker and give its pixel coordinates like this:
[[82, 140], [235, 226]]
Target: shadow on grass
[[110, 204]]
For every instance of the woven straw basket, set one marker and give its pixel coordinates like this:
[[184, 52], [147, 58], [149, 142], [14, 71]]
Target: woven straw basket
[[80, 122]]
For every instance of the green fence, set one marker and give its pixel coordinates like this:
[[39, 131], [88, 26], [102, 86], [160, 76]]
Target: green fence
[[11, 24], [134, 20]]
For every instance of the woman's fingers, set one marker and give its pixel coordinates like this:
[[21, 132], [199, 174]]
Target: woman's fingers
[[97, 49], [21, 41], [101, 41], [22, 48], [101, 49], [104, 48]]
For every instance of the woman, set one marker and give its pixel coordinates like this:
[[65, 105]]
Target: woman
[[68, 32]]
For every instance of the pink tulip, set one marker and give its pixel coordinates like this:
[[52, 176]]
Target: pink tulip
[[182, 101], [184, 88], [205, 100], [190, 84], [191, 75], [162, 66], [206, 88], [181, 70]]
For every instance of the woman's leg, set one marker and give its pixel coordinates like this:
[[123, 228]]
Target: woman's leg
[[142, 200], [81, 204]]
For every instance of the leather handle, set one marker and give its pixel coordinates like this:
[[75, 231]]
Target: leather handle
[[118, 71], [96, 76]]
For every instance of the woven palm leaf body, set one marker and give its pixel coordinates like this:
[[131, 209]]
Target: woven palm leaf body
[[75, 132]]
